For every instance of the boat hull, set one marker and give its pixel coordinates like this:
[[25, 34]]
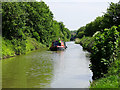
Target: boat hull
[[57, 48], [58, 45]]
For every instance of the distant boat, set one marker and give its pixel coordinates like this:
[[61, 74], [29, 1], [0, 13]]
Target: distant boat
[[58, 45]]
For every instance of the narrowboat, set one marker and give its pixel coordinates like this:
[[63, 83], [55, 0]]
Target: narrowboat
[[58, 45]]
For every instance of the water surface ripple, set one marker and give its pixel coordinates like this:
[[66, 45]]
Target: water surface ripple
[[48, 69]]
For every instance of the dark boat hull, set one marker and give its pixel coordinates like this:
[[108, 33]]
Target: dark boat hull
[[57, 48], [58, 45]]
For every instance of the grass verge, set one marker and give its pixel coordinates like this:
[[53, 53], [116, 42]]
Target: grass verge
[[15, 47]]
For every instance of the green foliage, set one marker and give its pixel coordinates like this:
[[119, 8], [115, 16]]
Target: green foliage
[[36, 35], [7, 48], [33, 44], [77, 41], [109, 19], [13, 20], [87, 43], [108, 82], [114, 70], [105, 47], [111, 79], [31, 19], [73, 35], [80, 34], [0, 46], [113, 15], [65, 33], [17, 47], [23, 20]]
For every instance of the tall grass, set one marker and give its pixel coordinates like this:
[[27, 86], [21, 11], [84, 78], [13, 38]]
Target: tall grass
[[14, 47]]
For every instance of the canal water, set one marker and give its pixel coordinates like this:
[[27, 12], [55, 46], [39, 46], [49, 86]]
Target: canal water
[[48, 69]]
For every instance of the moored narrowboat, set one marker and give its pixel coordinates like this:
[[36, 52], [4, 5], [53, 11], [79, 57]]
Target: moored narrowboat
[[58, 45]]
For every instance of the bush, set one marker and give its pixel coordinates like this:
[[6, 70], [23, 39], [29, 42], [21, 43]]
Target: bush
[[104, 51], [80, 34], [17, 46], [87, 43], [111, 79], [7, 48]]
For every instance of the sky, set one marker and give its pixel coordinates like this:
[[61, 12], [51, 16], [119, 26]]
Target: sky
[[77, 13]]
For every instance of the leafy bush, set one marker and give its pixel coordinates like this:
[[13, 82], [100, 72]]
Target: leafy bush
[[26, 25], [111, 79], [7, 48], [111, 17], [16, 47], [28, 19], [87, 43], [104, 51], [80, 34]]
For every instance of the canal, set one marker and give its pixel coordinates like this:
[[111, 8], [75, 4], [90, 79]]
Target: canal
[[48, 69]]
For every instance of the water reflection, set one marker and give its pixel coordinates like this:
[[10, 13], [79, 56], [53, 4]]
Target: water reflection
[[33, 70], [48, 69], [71, 68]]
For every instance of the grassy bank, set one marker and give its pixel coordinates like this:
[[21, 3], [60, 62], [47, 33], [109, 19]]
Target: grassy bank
[[86, 43], [15, 47], [110, 79]]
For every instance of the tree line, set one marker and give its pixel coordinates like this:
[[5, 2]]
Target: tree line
[[31, 19], [109, 19], [27, 26], [102, 38]]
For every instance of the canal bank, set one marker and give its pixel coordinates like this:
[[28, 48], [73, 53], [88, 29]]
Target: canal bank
[[110, 79], [48, 69], [12, 48]]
